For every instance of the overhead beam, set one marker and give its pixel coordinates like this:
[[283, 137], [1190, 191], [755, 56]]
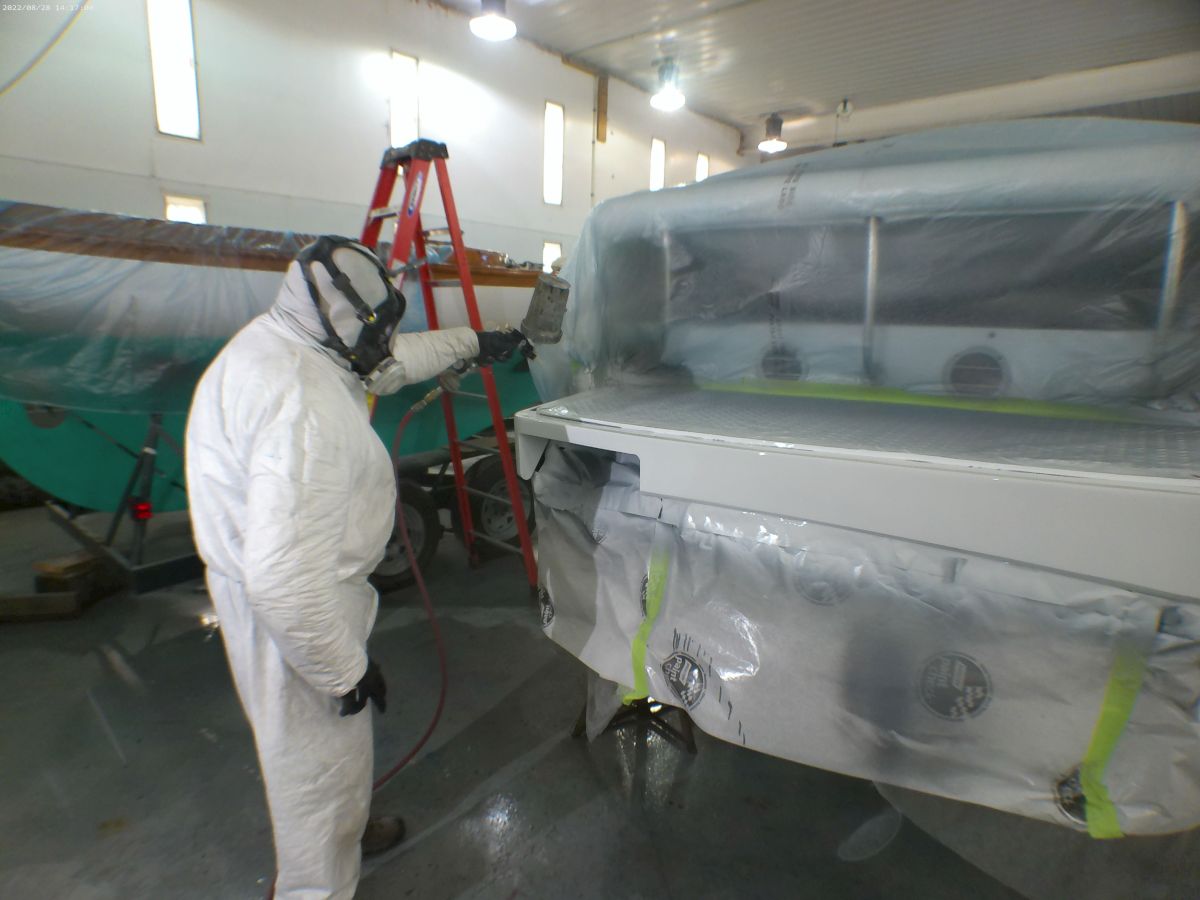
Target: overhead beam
[[1162, 77]]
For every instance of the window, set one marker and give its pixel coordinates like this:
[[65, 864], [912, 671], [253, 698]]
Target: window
[[658, 164], [405, 127], [552, 161], [173, 66], [184, 209], [551, 250], [701, 166]]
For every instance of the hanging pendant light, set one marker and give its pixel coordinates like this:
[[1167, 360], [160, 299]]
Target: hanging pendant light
[[493, 23], [774, 141], [668, 97]]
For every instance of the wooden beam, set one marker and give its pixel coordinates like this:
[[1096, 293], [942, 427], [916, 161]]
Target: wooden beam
[[601, 108], [577, 64]]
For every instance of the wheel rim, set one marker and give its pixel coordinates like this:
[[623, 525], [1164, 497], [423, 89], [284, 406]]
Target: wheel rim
[[395, 559], [497, 519]]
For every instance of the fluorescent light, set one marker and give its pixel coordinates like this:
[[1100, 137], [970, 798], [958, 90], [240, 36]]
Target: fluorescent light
[[552, 154], [551, 251], [658, 164], [184, 209], [493, 28], [669, 97], [404, 100], [701, 166], [493, 23], [173, 66], [773, 142]]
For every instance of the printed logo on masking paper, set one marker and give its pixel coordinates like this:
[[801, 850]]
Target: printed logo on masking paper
[[686, 678], [827, 591], [823, 582], [954, 686], [547, 607], [645, 591]]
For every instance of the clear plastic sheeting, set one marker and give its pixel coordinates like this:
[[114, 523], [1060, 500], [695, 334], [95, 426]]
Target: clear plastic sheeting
[[106, 312], [114, 313], [974, 678], [1047, 260], [892, 352]]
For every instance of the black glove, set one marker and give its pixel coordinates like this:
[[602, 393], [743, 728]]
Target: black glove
[[497, 346], [370, 687]]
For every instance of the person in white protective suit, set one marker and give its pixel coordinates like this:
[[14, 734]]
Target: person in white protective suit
[[292, 500]]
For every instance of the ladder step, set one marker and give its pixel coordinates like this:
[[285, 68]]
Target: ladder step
[[475, 492], [483, 448], [385, 212], [499, 545], [445, 282]]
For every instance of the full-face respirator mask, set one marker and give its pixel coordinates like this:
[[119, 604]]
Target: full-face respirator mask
[[360, 319]]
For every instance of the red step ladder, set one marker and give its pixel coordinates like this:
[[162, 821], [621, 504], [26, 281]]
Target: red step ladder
[[415, 161]]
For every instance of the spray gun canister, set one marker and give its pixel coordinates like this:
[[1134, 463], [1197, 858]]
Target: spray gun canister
[[543, 321]]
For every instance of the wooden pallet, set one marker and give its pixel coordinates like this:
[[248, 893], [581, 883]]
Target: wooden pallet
[[64, 587]]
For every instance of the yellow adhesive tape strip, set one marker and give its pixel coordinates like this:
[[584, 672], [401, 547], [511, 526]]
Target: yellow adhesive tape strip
[[861, 394]]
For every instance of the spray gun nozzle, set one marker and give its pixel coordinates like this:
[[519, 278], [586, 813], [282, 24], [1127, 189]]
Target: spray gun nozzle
[[427, 399]]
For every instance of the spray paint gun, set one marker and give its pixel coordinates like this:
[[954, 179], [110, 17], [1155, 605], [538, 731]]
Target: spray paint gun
[[543, 321], [542, 325]]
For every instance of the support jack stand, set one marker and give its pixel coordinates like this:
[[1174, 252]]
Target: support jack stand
[[136, 506], [648, 714]]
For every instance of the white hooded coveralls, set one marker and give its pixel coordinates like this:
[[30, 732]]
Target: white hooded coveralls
[[292, 501]]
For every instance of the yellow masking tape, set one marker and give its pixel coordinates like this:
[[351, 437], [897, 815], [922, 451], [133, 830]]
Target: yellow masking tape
[[656, 584], [1124, 684], [862, 394]]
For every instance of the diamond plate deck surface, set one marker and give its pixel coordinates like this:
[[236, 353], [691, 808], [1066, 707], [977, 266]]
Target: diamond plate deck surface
[[1122, 448]]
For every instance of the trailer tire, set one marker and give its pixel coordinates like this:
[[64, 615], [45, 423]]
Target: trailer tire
[[425, 530], [493, 517]]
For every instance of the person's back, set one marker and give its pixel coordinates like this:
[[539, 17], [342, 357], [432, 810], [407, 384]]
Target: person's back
[[270, 392], [289, 492]]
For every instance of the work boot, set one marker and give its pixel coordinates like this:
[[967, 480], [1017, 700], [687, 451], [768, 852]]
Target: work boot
[[382, 834]]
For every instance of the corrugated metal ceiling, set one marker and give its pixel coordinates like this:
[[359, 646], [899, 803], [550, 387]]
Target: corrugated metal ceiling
[[741, 59]]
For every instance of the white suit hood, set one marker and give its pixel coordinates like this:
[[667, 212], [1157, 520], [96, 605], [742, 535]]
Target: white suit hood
[[294, 307], [422, 355]]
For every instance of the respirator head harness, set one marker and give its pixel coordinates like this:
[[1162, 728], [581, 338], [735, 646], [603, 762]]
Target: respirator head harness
[[361, 335]]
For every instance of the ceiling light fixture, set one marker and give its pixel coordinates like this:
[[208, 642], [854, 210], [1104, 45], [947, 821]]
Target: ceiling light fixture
[[669, 97], [493, 23], [774, 141]]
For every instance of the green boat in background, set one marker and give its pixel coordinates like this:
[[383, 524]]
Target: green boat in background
[[84, 457], [107, 322]]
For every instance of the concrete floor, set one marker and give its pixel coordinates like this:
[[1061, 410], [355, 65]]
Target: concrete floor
[[127, 770]]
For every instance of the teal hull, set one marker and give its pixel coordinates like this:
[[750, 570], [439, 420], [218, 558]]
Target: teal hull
[[86, 459]]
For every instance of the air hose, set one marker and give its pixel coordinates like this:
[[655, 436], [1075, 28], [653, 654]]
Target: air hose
[[419, 579], [543, 322]]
